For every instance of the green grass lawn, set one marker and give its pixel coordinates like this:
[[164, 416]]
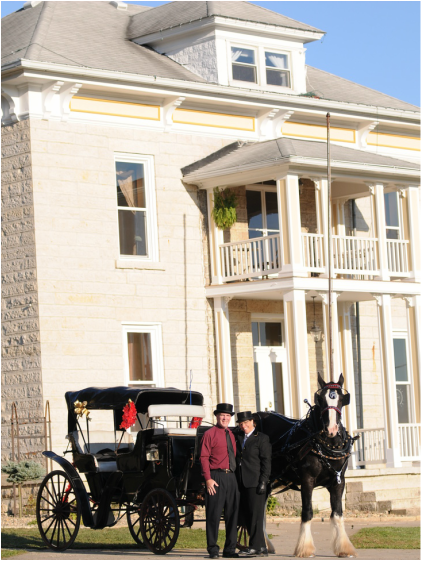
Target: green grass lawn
[[7, 553], [109, 538], [387, 538]]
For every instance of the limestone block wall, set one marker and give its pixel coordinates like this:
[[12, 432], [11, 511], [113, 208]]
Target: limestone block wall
[[21, 350], [199, 57], [317, 358], [239, 230], [84, 295], [308, 207]]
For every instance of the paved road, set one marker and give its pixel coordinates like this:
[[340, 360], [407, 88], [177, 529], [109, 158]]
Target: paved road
[[284, 539]]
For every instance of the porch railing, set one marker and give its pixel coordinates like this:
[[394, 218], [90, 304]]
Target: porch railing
[[410, 441], [353, 255], [397, 257], [370, 448], [256, 257], [313, 253]]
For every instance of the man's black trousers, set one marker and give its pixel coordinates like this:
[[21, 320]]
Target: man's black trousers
[[227, 498], [252, 508]]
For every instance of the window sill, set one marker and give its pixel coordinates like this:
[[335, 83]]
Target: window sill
[[139, 265]]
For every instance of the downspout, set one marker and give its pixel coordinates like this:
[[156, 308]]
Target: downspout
[[359, 420]]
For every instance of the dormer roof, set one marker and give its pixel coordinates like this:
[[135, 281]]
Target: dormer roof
[[178, 14]]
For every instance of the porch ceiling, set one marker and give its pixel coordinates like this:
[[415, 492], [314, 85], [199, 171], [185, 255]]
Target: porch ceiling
[[239, 162]]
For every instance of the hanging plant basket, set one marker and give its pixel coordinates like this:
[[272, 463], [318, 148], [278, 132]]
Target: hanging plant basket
[[224, 211]]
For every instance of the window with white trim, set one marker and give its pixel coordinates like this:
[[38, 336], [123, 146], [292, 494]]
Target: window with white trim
[[244, 64], [143, 355], [392, 215], [277, 69], [403, 381], [136, 207]]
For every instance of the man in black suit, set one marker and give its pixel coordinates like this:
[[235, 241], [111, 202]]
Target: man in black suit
[[253, 472]]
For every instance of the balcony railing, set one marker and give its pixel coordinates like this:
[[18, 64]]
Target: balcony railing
[[397, 257], [370, 448], [250, 259], [313, 253], [410, 441], [353, 255]]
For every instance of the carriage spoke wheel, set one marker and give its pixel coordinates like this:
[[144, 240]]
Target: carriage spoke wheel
[[242, 538], [159, 520], [58, 511], [133, 515]]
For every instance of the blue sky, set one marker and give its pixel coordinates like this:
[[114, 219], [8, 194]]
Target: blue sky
[[374, 43]]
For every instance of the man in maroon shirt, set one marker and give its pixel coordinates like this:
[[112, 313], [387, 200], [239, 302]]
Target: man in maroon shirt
[[218, 464]]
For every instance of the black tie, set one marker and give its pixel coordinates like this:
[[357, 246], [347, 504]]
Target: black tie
[[232, 457]]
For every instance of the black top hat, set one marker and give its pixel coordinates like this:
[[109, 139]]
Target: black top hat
[[224, 408], [244, 416]]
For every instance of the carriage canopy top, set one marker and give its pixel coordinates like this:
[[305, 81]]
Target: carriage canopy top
[[116, 398]]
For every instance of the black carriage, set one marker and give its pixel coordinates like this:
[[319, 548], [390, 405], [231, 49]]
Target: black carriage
[[151, 475]]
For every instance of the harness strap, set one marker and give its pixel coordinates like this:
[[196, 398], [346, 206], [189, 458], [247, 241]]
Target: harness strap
[[331, 407], [332, 387]]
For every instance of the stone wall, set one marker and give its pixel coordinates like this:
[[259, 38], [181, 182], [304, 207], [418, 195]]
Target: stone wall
[[21, 351], [308, 214], [316, 351], [199, 57]]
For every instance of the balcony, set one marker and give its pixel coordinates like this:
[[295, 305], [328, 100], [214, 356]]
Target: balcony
[[356, 257]]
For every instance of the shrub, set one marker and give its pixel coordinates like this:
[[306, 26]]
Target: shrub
[[272, 505], [224, 211], [19, 472]]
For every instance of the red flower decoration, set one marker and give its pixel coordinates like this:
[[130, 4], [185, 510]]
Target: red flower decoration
[[195, 422], [129, 415]]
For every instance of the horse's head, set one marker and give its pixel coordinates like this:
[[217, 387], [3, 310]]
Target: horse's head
[[331, 398]]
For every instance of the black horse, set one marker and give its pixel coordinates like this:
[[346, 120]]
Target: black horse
[[310, 453]]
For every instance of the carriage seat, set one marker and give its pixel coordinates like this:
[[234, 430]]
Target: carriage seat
[[160, 414], [102, 444], [170, 431]]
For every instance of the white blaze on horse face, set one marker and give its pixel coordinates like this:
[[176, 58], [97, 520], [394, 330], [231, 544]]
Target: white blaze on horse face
[[332, 399]]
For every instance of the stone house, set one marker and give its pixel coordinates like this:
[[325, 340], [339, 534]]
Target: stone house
[[114, 138]]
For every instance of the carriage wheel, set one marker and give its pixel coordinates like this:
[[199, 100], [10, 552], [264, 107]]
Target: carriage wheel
[[242, 538], [58, 511], [160, 522], [133, 515]]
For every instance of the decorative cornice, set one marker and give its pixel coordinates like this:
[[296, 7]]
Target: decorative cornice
[[377, 298], [364, 131], [169, 107], [49, 94]]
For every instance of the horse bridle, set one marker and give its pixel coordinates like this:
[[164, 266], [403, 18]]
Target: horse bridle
[[332, 386]]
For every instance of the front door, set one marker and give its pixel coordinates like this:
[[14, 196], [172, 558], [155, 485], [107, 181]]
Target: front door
[[270, 378]]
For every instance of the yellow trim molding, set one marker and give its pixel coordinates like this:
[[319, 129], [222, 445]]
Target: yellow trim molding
[[318, 132], [209, 119], [394, 141], [115, 108]]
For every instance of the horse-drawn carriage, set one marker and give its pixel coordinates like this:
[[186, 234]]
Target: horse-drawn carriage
[[151, 476]]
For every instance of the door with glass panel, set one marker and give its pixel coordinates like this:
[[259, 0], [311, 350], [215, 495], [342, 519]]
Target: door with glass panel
[[263, 226], [269, 355]]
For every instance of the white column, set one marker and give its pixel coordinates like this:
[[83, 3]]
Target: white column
[[389, 379], [415, 233], [414, 330], [321, 198], [290, 226], [349, 411], [296, 342], [336, 341], [223, 344], [379, 219], [216, 237], [341, 227]]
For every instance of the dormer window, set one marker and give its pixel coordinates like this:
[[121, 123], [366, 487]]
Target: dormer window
[[243, 64], [277, 69]]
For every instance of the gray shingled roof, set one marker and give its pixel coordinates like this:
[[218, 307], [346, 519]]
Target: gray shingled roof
[[264, 154], [87, 34], [179, 13], [329, 86]]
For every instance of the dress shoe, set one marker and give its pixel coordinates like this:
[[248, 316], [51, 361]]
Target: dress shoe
[[263, 552], [214, 556], [251, 552], [231, 555]]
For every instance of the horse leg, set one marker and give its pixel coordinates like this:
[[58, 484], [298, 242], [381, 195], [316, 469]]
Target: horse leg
[[305, 544], [341, 543]]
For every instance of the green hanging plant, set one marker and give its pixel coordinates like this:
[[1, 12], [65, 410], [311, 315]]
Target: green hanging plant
[[224, 211]]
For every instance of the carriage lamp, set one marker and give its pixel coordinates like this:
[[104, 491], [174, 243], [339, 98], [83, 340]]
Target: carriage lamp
[[153, 454], [315, 330]]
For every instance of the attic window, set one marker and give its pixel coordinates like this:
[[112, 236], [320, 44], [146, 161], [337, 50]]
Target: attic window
[[243, 64], [277, 69]]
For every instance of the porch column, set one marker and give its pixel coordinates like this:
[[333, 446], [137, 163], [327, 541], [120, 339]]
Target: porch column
[[347, 365], [378, 219], [223, 344], [415, 233], [336, 341], [290, 226], [340, 222], [389, 379], [296, 342], [321, 199], [216, 237], [414, 329]]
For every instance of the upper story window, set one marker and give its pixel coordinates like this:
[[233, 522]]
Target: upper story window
[[136, 207], [392, 215], [277, 69], [243, 64]]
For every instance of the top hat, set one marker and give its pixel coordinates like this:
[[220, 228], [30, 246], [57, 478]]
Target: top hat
[[244, 416], [224, 408]]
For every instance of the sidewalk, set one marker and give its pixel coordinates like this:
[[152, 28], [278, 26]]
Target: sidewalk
[[284, 539]]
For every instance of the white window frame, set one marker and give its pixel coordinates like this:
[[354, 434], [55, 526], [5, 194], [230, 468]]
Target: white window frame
[[264, 189], [289, 69], [150, 210], [253, 48], [403, 335], [155, 331], [399, 214]]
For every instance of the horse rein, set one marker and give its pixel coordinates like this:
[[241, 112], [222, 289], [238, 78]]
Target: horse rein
[[332, 387]]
